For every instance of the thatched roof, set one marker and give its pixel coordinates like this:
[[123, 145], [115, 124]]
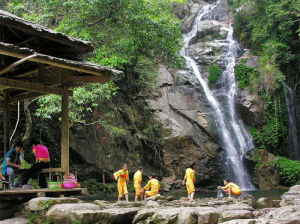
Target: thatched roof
[[80, 66], [27, 29], [35, 60]]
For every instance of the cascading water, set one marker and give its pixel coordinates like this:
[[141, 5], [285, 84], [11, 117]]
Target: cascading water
[[235, 138], [294, 147]]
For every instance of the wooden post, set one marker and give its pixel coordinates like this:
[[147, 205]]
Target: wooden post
[[65, 131], [6, 124]]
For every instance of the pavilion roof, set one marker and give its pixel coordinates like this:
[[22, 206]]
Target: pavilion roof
[[29, 33], [35, 60]]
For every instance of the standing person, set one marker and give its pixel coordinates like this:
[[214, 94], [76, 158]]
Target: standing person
[[123, 179], [231, 188], [42, 161], [137, 180], [12, 162], [189, 180], [153, 185]]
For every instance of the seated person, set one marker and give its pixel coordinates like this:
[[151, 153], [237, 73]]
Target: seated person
[[42, 161], [12, 162], [231, 188], [153, 185]]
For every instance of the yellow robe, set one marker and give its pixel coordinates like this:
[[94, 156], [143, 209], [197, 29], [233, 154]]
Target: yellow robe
[[235, 189], [137, 180], [190, 180], [123, 177], [154, 187]]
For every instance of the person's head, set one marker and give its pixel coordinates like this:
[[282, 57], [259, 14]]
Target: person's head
[[226, 181], [125, 167], [151, 176], [34, 142], [141, 169], [18, 146], [192, 165]]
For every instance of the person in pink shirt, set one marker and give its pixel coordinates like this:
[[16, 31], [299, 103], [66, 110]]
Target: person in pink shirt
[[42, 161]]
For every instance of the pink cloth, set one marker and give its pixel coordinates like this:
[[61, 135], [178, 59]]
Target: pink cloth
[[41, 152]]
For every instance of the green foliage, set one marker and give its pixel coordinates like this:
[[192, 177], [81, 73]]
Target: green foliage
[[289, 171], [214, 73], [270, 29], [38, 218], [235, 3], [47, 204], [94, 186], [77, 222], [124, 32], [25, 165], [273, 135], [245, 75], [84, 100]]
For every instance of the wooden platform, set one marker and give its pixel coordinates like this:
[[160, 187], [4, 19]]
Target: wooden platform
[[18, 193]]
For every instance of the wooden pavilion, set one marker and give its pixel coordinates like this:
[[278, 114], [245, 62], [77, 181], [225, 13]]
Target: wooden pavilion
[[34, 61]]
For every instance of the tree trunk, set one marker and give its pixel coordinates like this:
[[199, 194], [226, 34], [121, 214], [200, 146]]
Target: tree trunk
[[26, 136]]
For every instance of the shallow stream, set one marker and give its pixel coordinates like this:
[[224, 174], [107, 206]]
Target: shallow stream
[[273, 194]]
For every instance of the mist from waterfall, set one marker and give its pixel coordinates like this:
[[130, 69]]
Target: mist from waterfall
[[234, 136], [294, 147]]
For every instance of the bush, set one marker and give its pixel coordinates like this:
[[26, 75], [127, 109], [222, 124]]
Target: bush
[[94, 186], [289, 171], [214, 73], [245, 74]]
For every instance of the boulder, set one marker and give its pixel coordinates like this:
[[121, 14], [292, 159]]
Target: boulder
[[266, 175], [250, 199], [107, 216], [219, 12], [235, 214], [164, 76], [64, 213], [275, 203], [292, 193], [240, 221], [263, 202], [181, 215], [155, 198], [187, 23], [152, 204], [287, 215], [291, 197], [41, 203], [15, 221], [102, 204]]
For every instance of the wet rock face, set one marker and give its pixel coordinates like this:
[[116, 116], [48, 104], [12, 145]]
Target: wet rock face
[[180, 107], [266, 175], [250, 112]]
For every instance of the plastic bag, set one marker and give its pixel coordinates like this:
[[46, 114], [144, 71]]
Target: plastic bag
[[220, 194]]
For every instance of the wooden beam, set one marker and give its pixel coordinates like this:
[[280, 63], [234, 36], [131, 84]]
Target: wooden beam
[[32, 87], [65, 131], [24, 96], [88, 79], [26, 41], [49, 62], [16, 64]]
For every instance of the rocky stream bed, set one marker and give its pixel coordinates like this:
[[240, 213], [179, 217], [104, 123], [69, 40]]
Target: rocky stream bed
[[165, 210]]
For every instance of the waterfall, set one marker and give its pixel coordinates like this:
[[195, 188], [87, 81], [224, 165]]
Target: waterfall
[[293, 137], [234, 136]]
